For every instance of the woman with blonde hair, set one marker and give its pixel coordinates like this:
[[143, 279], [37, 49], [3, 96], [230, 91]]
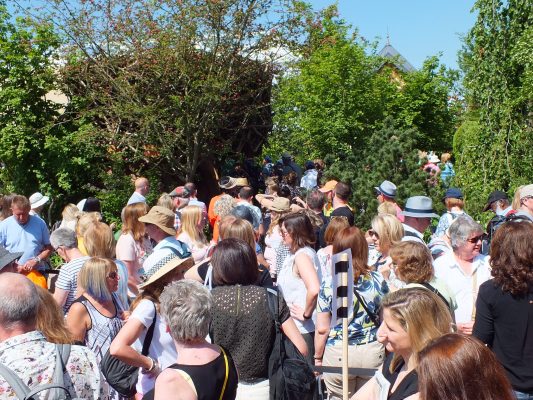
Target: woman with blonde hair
[[387, 230], [279, 207], [165, 201], [191, 232], [85, 221], [96, 316], [50, 319], [100, 242], [411, 319], [133, 246], [71, 214]]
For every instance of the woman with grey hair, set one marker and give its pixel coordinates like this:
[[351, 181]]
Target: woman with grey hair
[[202, 370], [464, 269]]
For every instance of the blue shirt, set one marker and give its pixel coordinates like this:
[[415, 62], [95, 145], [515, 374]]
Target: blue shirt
[[29, 238], [136, 198]]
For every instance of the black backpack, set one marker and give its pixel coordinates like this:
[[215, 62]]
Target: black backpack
[[290, 374], [496, 222]]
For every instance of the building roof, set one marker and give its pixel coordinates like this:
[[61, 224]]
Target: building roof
[[396, 58]]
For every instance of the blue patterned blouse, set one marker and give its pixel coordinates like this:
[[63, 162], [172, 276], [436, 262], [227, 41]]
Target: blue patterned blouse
[[371, 287]]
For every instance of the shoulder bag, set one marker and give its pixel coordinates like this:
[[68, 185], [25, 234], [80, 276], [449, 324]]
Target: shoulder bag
[[290, 375], [121, 376]]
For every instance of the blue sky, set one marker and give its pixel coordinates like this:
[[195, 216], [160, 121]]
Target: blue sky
[[417, 28]]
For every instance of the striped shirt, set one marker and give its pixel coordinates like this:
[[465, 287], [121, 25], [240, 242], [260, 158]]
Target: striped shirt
[[68, 279]]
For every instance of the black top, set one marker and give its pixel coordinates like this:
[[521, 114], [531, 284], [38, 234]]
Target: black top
[[407, 387], [343, 211], [242, 324], [505, 324], [208, 379], [264, 279]]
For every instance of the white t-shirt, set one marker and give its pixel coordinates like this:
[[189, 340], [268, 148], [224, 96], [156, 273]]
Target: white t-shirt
[[162, 347]]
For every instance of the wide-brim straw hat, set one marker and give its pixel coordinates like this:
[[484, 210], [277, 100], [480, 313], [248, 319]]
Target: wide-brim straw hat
[[163, 266], [161, 217], [241, 182], [227, 182], [280, 204]]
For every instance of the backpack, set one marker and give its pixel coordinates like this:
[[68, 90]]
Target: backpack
[[497, 221], [57, 389], [290, 374]]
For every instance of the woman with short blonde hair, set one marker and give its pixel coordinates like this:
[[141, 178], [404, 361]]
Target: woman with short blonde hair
[[95, 318]]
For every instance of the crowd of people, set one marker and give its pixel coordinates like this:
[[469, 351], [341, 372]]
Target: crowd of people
[[180, 293]]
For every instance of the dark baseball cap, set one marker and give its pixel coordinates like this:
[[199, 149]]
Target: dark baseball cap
[[495, 196]]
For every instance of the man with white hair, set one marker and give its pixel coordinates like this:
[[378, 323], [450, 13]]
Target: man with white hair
[[142, 187], [27, 353], [65, 243]]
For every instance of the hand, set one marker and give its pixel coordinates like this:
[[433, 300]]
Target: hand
[[155, 371], [386, 268], [28, 266], [465, 327], [297, 312]]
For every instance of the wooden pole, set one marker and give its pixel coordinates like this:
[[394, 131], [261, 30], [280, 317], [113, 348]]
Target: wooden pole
[[344, 283]]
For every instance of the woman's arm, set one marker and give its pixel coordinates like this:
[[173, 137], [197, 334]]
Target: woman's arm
[[133, 276], [60, 296], [291, 331], [121, 345], [306, 270], [78, 322], [170, 384], [322, 328]]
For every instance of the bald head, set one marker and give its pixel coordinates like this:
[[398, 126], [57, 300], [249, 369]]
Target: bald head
[[142, 185], [19, 303]]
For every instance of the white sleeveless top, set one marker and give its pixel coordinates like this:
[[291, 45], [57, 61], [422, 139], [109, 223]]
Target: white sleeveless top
[[293, 288]]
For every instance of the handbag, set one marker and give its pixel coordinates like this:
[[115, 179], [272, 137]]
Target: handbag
[[121, 376], [290, 374]]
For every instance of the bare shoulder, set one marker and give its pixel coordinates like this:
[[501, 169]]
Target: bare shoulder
[[172, 384]]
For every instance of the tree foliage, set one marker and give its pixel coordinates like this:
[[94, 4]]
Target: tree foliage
[[495, 141], [339, 90], [170, 84], [38, 149]]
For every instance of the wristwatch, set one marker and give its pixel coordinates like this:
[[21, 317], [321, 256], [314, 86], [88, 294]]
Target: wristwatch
[[38, 259]]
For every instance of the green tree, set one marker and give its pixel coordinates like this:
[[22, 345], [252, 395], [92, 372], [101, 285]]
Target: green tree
[[391, 155], [339, 90], [496, 138]]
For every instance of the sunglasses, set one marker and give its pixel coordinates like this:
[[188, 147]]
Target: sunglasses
[[372, 232], [475, 239], [113, 275]]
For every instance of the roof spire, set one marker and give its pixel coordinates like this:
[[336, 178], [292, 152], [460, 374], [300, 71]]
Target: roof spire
[[388, 37]]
